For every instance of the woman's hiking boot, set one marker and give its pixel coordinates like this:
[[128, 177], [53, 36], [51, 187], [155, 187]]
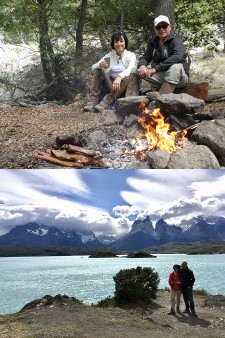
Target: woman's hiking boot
[[172, 312], [105, 103], [92, 102], [178, 309], [95, 90], [110, 98]]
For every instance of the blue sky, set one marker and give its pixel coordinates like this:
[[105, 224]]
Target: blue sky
[[107, 201]]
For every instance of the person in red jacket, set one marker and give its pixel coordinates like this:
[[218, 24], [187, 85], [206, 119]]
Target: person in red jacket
[[175, 289]]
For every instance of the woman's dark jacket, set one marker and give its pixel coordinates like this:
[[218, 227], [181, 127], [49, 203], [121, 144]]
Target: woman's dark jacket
[[162, 57], [187, 278]]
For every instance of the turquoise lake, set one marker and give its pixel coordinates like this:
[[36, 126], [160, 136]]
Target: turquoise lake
[[24, 279]]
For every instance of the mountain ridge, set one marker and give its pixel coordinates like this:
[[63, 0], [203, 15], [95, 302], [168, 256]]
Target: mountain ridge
[[141, 236]]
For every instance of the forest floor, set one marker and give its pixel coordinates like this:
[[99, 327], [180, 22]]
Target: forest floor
[[68, 318]]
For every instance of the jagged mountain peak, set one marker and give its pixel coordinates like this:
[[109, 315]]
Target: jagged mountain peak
[[144, 225], [141, 236]]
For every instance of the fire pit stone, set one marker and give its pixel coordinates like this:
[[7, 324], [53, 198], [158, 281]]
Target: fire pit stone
[[179, 104], [211, 134], [97, 139], [130, 105], [193, 156], [158, 159], [108, 117]]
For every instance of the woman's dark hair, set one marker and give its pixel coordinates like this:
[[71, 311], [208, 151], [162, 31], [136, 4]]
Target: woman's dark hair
[[176, 266], [116, 36]]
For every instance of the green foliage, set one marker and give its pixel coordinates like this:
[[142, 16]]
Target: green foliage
[[136, 285], [107, 302], [201, 23], [103, 254], [140, 254], [194, 19], [200, 292]]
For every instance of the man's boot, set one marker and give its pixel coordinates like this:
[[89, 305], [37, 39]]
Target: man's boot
[[186, 311], [178, 309], [110, 98], [133, 87], [167, 88], [95, 90], [172, 312]]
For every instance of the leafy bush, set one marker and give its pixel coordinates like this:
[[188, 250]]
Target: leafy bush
[[200, 292], [136, 285], [107, 302]]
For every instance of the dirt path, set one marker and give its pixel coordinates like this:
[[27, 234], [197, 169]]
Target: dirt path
[[66, 318]]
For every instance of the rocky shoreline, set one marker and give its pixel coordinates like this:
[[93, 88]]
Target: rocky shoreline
[[64, 317]]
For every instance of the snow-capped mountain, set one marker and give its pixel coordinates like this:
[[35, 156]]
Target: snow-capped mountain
[[42, 235], [141, 236]]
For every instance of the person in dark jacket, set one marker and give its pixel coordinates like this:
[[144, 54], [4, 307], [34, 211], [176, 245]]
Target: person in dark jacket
[[166, 55], [187, 280]]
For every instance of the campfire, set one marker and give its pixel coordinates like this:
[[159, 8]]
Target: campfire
[[156, 134], [124, 145]]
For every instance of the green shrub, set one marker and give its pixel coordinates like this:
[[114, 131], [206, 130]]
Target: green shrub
[[107, 302], [200, 292], [136, 285]]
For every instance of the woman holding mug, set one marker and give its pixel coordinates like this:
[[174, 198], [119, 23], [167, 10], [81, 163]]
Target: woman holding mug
[[112, 74]]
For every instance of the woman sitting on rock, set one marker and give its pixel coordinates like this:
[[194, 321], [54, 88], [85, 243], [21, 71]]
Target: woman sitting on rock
[[112, 74]]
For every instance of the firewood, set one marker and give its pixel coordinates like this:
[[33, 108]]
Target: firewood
[[46, 157], [64, 155], [75, 149]]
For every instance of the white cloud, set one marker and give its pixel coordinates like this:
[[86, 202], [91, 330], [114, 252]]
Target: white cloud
[[177, 195], [213, 188], [62, 198], [126, 210]]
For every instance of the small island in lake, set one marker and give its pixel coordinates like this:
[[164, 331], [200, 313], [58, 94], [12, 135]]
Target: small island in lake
[[103, 254], [140, 254]]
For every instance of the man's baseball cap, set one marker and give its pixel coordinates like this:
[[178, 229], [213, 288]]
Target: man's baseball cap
[[161, 18]]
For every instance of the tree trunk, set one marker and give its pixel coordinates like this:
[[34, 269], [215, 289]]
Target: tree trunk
[[165, 7], [46, 50], [80, 28], [57, 87]]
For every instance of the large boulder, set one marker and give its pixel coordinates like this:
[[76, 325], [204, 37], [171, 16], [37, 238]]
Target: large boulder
[[130, 105], [180, 104], [212, 135], [193, 156]]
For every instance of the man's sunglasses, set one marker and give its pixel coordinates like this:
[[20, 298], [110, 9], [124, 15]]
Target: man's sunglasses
[[164, 26]]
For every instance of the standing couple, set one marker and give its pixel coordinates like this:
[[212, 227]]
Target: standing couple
[[181, 281]]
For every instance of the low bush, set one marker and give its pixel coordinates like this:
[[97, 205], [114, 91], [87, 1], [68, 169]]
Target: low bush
[[136, 285]]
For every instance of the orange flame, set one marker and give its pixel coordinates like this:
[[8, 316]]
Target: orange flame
[[157, 132]]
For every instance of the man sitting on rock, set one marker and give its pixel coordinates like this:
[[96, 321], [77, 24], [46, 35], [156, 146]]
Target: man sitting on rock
[[167, 58]]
